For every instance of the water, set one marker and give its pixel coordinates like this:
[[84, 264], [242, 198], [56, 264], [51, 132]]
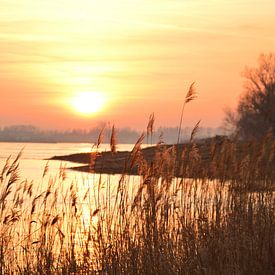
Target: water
[[35, 155]]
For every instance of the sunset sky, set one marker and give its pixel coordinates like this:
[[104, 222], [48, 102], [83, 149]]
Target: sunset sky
[[131, 58]]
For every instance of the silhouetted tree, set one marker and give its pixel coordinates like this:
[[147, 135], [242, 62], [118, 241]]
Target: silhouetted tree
[[255, 113]]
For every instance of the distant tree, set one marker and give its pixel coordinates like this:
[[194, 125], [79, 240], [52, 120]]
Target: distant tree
[[255, 114]]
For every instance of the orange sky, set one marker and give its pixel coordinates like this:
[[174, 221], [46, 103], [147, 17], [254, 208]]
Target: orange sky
[[141, 55]]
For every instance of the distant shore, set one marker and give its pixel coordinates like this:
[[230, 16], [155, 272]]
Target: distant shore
[[118, 162], [213, 158], [107, 162]]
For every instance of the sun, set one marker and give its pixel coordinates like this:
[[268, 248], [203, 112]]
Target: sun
[[88, 102]]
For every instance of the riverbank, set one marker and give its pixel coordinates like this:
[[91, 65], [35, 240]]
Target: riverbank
[[214, 158], [110, 163], [130, 162]]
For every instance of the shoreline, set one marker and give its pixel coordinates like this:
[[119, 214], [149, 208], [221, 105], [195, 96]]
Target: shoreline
[[189, 160], [120, 161], [107, 162]]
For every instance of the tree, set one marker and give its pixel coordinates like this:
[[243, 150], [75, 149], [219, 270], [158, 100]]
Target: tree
[[255, 113]]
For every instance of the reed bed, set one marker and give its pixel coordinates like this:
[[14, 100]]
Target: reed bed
[[216, 218]]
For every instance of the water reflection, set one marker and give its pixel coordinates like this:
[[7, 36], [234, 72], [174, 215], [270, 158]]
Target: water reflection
[[33, 159]]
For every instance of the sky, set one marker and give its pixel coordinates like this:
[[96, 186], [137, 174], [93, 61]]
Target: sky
[[140, 57]]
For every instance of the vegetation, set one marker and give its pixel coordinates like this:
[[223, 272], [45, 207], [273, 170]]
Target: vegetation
[[190, 210], [255, 113], [25, 133], [221, 224]]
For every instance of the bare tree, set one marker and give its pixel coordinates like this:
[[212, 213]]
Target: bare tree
[[255, 113]]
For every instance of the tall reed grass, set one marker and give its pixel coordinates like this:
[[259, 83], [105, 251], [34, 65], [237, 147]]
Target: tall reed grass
[[216, 218], [195, 209]]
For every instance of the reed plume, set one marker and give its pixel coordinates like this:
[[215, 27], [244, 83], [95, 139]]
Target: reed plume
[[150, 127], [100, 138], [191, 95], [194, 131], [113, 140]]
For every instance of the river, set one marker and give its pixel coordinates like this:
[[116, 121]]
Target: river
[[34, 157]]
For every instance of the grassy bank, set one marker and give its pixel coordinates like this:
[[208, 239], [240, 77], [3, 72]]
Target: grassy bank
[[214, 158], [216, 217]]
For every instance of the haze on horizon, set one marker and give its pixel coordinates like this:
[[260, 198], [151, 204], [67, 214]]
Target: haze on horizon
[[138, 57]]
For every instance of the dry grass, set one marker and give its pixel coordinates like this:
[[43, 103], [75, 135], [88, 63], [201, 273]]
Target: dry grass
[[219, 223]]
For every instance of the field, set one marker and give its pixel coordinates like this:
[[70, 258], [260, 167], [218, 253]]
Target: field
[[215, 217]]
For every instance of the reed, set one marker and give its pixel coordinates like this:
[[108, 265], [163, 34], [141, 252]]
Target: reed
[[191, 95], [220, 222]]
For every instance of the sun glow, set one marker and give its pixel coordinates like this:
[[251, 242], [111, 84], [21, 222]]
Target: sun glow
[[88, 102]]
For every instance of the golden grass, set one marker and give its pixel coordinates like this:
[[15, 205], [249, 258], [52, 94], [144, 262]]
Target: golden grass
[[220, 222]]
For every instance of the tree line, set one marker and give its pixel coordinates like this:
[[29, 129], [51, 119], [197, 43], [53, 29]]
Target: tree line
[[254, 116], [30, 133]]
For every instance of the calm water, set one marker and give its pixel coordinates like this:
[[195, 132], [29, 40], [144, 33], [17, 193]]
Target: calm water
[[102, 190], [33, 159]]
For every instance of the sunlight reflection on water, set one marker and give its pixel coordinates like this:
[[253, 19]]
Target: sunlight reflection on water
[[33, 159]]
